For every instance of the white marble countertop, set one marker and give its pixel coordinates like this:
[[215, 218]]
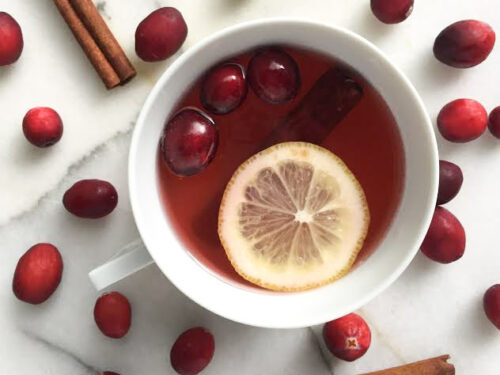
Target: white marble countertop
[[432, 309]]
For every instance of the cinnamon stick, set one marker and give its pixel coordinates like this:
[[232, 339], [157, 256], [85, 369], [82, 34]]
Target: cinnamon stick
[[113, 70], [92, 19], [432, 366]]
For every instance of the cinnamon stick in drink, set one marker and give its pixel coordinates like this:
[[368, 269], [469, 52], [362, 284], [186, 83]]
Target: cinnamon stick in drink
[[326, 104], [432, 366]]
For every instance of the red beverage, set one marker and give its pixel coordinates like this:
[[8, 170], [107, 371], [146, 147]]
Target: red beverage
[[366, 138]]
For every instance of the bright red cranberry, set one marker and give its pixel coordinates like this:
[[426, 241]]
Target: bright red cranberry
[[274, 75], [11, 40], [224, 89], [464, 44], [392, 11], [462, 120], [160, 34], [189, 142], [192, 351], [113, 314], [347, 338], [38, 273], [445, 239], [491, 304], [450, 181], [42, 126], [494, 122], [91, 199]]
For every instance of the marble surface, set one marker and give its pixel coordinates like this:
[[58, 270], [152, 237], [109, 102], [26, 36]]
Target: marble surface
[[432, 309]]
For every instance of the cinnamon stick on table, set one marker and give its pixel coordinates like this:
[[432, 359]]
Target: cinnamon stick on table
[[97, 41], [432, 366]]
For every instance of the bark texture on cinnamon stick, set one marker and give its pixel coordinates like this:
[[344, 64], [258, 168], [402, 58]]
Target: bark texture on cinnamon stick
[[97, 41], [431, 366]]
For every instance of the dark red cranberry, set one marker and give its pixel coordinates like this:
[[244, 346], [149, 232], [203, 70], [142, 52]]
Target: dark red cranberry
[[464, 44], [445, 239], [347, 338], [274, 75], [494, 122], [42, 126], [224, 89], [189, 142], [462, 120], [491, 304], [450, 181], [192, 351], [113, 314], [91, 199], [392, 11], [109, 373], [160, 34], [38, 273], [11, 40]]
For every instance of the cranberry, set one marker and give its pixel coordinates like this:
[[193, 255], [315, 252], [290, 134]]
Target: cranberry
[[464, 44], [491, 304], [450, 181], [274, 75], [42, 126], [38, 273], [109, 373], [462, 120], [192, 351], [11, 40], [189, 142], [113, 315], [160, 34], [445, 239], [494, 122], [392, 11], [91, 199], [224, 89], [347, 338]]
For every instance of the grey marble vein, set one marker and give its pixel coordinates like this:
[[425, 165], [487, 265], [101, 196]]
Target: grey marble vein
[[91, 154], [89, 369]]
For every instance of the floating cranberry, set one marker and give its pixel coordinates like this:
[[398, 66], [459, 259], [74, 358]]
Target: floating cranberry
[[491, 304], [192, 351], [494, 122], [160, 34], [224, 89], [462, 120], [189, 142], [91, 199], [11, 40], [38, 273], [42, 126], [464, 44], [113, 314], [347, 338], [274, 75], [450, 181], [392, 11], [445, 239]]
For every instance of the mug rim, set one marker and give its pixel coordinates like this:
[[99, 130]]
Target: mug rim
[[286, 298]]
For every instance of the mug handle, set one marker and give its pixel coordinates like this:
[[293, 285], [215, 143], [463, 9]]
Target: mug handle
[[129, 259]]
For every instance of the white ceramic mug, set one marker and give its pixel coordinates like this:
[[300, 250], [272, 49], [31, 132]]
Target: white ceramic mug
[[252, 306]]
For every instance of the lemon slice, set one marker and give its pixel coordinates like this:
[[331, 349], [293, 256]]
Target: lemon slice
[[293, 217]]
